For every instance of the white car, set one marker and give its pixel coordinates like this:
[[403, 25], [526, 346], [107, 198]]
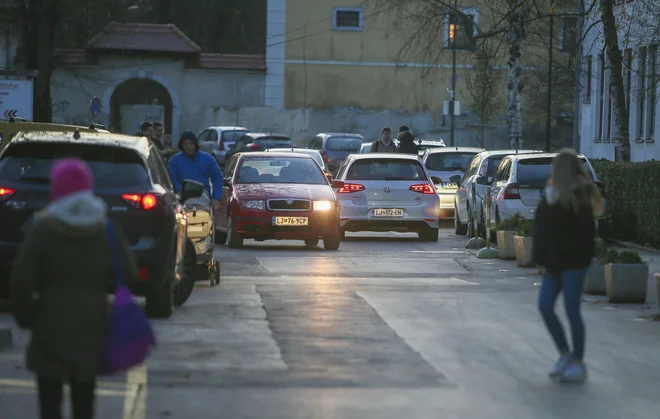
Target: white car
[[387, 192], [217, 140], [424, 145], [479, 174], [316, 155], [448, 164], [519, 184]]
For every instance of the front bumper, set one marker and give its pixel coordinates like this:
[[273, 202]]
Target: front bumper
[[259, 225]]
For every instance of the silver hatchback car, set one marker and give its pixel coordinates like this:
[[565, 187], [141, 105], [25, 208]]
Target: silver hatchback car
[[387, 192]]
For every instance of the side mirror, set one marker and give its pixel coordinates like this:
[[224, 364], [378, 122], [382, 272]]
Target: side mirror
[[337, 184], [436, 180], [191, 189], [483, 180], [227, 182], [456, 179]]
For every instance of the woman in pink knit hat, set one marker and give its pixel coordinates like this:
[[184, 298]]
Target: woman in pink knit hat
[[59, 287]]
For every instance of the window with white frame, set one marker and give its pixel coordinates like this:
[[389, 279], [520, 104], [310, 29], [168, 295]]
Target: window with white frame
[[347, 18], [460, 29], [652, 88]]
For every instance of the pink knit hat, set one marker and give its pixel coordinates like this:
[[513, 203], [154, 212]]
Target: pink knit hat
[[69, 176]]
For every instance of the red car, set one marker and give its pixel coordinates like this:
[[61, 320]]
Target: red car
[[280, 196]]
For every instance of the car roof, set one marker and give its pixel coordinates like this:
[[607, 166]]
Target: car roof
[[453, 149], [539, 155], [277, 154], [504, 152], [431, 141], [398, 156], [340, 134], [228, 128], [266, 134], [139, 144]]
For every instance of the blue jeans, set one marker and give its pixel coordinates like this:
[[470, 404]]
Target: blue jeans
[[572, 282]]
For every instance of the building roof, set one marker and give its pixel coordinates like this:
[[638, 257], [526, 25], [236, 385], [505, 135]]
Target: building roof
[[143, 37], [232, 62]]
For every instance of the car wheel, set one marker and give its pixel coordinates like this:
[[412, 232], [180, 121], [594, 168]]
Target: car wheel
[[331, 242], [234, 241], [185, 286], [459, 229], [429, 235], [470, 223], [311, 242]]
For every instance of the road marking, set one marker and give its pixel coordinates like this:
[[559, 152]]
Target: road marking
[[12, 385], [135, 401]]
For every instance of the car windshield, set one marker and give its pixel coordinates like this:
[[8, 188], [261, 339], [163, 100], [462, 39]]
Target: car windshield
[[449, 161], [113, 167], [232, 136], [386, 169], [351, 144], [280, 170], [274, 142]]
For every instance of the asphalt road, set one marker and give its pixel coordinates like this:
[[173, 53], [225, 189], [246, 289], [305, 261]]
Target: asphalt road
[[387, 327]]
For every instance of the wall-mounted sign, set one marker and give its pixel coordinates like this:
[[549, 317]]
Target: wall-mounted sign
[[16, 99]]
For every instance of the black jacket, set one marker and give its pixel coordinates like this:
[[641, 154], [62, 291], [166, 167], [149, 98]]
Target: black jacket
[[407, 143], [563, 239]]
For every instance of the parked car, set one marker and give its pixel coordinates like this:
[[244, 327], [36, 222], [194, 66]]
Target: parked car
[[335, 147], [259, 141], [277, 196], [315, 154], [448, 164], [131, 177], [480, 169], [365, 148], [387, 192], [519, 184], [423, 145], [218, 140]]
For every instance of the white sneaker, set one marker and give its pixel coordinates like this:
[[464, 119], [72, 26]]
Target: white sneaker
[[561, 365], [574, 373]]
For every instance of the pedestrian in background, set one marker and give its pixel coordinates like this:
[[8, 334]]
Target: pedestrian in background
[[157, 137], [384, 144], [59, 287], [406, 141], [564, 235]]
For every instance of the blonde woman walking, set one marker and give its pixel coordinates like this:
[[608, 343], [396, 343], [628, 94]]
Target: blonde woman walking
[[564, 245]]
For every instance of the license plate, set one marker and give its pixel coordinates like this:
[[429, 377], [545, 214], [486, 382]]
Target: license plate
[[290, 221], [448, 185], [387, 212]]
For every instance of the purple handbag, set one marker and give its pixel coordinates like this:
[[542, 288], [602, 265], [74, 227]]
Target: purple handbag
[[130, 336]]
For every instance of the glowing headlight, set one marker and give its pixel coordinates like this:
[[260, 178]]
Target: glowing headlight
[[322, 205], [254, 204]]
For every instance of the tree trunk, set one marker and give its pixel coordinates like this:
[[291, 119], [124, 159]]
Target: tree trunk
[[482, 135], [516, 35], [44, 33], [617, 92]]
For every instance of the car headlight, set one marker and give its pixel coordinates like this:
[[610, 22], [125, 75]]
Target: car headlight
[[254, 204], [322, 205]]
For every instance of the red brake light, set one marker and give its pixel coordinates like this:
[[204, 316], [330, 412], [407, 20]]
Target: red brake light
[[254, 146], [144, 273], [146, 202], [511, 192], [351, 187], [5, 193], [325, 156], [424, 188], [221, 147]]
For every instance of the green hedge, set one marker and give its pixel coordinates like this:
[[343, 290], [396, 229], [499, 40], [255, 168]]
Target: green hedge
[[633, 199]]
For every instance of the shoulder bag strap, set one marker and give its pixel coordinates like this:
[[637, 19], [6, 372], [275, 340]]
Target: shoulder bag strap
[[114, 249]]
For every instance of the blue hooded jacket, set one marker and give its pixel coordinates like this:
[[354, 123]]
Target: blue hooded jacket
[[200, 167]]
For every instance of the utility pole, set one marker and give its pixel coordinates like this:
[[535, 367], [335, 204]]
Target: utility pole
[[578, 79], [548, 121], [452, 40]]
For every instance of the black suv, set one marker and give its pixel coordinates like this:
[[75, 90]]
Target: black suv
[[130, 175]]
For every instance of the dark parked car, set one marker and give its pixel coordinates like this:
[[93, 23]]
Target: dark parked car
[[259, 141], [335, 147], [277, 195], [130, 176]]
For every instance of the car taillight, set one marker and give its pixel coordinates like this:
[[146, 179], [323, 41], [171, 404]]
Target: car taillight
[[253, 146], [351, 187], [146, 202], [424, 188], [6, 193], [144, 273], [601, 189], [221, 147], [325, 156], [511, 192]]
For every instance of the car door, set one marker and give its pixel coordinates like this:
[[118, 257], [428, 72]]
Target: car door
[[464, 192], [222, 211], [500, 180]]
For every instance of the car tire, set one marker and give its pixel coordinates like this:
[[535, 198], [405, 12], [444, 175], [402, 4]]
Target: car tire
[[311, 242], [219, 237], [459, 229], [429, 235], [331, 242], [234, 241], [185, 286]]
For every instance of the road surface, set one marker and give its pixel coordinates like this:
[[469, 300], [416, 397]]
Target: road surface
[[387, 327]]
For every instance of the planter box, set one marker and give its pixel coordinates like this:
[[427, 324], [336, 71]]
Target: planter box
[[657, 287], [626, 283], [523, 247], [594, 283], [506, 247]]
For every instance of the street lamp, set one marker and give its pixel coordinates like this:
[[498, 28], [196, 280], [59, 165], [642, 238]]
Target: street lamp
[[452, 42]]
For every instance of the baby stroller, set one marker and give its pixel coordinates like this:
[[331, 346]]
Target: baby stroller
[[201, 232]]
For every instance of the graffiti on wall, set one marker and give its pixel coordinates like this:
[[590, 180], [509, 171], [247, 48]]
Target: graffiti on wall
[[59, 107]]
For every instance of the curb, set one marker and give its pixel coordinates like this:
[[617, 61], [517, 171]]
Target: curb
[[629, 245], [5, 339]]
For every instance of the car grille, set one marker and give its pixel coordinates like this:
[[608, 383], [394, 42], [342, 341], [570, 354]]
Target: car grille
[[289, 204]]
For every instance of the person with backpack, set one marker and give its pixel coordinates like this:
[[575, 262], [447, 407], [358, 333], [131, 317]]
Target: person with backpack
[[384, 144], [406, 141], [59, 287]]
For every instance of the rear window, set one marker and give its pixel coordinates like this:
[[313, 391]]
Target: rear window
[[232, 136], [350, 144], [112, 166], [449, 161], [386, 169], [274, 142], [534, 173]]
